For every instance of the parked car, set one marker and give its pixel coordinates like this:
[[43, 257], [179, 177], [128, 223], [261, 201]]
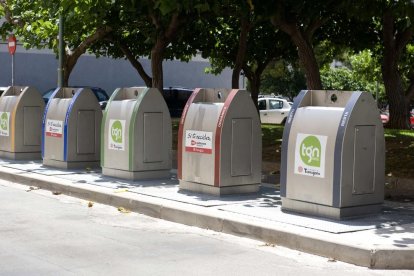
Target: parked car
[[384, 117], [100, 94], [273, 110], [176, 98], [412, 119], [2, 89]]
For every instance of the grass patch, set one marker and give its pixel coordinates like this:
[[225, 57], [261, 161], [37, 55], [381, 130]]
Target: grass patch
[[399, 147]]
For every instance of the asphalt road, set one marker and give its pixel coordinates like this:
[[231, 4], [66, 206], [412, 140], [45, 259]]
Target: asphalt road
[[46, 234]]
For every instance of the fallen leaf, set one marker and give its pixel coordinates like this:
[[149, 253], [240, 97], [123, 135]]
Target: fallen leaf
[[121, 191], [123, 210], [31, 188], [56, 193], [90, 204], [269, 244]]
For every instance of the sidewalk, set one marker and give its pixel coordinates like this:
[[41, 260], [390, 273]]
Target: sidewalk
[[385, 240]]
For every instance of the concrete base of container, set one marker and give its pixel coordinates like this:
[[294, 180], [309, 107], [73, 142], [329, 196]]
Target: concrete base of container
[[314, 209], [21, 155], [218, 191], [136, 175], [71, 165]]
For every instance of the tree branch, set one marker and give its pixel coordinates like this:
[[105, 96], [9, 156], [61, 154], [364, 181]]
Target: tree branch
[[409, 93], [73, 56], [89, 41], [175, 24], [316, 24], [8, 15], [245, 26], [135, 63], [402, 39]]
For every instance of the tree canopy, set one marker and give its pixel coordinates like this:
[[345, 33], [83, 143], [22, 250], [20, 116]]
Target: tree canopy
[[283, 45]]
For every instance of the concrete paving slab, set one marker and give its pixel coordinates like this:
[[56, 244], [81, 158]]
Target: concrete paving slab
[[37, 167], [167, 189], [271, 210], [114, 183]]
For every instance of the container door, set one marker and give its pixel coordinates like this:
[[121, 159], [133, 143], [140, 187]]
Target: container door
[[241, 147], [32, 125], [153, 137], [85, 133]]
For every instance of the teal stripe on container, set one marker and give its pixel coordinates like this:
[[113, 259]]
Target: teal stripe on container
[[105, 114]]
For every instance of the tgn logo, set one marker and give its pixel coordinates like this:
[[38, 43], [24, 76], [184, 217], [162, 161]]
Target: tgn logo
[[116, 132]]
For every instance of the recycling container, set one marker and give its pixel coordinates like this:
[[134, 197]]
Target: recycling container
[[333, 155], [136, 135], [219, 143], [71, 128], [21, 110]]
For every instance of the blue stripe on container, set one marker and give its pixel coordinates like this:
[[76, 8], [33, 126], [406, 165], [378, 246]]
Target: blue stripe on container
[[285, 141], [65, 127], [44, 121], [343, 125]]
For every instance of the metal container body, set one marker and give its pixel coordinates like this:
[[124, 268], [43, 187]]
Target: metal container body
[[21, 110], [333, 155], [136, 135], [71, 128], [219, 143]]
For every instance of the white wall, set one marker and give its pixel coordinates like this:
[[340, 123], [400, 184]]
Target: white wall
[[38, 68]]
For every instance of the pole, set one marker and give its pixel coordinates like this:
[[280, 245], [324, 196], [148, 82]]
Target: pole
[[61, 51], [12, 83]]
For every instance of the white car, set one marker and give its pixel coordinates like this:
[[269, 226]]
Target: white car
[[273, 110]]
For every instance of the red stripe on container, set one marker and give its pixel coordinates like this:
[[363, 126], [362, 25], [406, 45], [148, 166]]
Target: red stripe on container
[[181, 132]]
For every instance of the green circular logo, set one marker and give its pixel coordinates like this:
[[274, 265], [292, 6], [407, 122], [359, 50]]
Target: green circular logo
[[310, 151], [4, 121], [116, 132]]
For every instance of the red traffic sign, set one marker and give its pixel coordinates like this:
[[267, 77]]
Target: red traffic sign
[[12, 44]]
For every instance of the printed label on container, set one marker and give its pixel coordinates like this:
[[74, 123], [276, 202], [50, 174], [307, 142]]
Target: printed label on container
[[116, 135], [54, 128], [310, 154], [4, 123], [199, 141]]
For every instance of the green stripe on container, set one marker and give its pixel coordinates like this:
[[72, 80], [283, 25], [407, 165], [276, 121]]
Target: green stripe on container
[[105, 114], [132, 127]]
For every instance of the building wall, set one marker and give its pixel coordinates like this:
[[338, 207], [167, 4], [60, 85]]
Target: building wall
[[38, 68]]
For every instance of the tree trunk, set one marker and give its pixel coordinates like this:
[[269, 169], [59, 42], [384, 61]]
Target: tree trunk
[[302, 40], [308, 60], [71, 57], [255, 83], [164, 37], [70, 62], [157, 57], [241, 52], [398, 106], [135, 63]]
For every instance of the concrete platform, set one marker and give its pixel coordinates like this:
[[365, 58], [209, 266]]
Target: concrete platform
[[385, 240]]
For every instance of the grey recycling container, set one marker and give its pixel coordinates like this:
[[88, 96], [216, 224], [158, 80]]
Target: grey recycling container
[[136, 135], [333, 155], [70, 129], [21, 111], [219, 143]]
